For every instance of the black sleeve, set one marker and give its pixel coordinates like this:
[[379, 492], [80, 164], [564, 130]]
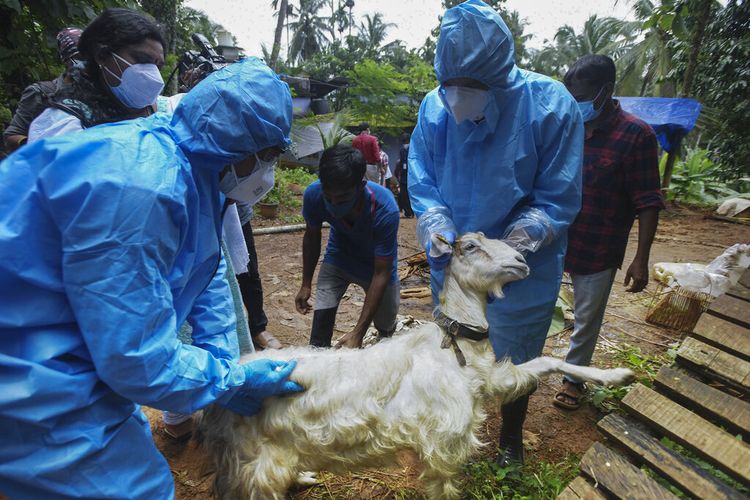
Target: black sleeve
[[33, 101]]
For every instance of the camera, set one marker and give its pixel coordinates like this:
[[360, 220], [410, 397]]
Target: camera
[[194, 65]]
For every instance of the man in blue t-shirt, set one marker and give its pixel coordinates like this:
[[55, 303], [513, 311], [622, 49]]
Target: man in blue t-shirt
[[362, 247]]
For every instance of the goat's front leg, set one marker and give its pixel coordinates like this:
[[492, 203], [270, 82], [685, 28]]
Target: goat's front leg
[[540, 367], [270, 475]]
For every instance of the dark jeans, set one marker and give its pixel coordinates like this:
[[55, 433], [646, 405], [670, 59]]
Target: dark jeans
[[404, 203], [251, 287]]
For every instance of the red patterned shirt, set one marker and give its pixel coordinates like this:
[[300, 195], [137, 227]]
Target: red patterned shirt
[[620, 178]]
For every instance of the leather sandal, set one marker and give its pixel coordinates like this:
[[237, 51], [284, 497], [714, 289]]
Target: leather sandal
[[571, 391], [265, 340]]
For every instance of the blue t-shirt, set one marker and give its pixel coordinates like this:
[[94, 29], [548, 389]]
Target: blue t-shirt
[[374, 234]]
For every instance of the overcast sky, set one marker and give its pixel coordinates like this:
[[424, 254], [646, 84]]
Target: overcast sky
[[252, 21]]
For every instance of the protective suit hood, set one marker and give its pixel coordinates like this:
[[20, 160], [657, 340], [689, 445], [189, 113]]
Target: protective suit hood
[[474, 43], [232, 114]]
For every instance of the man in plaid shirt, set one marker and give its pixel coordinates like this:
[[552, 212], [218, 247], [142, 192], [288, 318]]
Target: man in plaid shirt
[[620, 181]]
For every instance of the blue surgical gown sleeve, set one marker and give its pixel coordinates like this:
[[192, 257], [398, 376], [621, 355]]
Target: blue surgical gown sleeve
[[433, 214], [557, 185], [119, 244], [423, 190], [213, 318]]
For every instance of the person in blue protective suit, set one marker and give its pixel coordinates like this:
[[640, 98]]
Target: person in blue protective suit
[[498, 149], [109, 240]]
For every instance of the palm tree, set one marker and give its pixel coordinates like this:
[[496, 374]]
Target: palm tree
[[700, 10], [600, 35], [645, 67], [373, 30], [282, 9], [309, 30], [516, 24]]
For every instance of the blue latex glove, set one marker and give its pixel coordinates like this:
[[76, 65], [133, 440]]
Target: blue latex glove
[[263, 378], [436, 258]]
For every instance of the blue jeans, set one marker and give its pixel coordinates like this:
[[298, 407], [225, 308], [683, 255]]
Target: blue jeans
[[590, 294]]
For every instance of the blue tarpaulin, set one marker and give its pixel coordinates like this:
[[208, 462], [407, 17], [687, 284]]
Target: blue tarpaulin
[[671, 118]]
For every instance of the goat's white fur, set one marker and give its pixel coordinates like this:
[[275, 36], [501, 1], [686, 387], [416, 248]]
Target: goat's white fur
[[362, 407]]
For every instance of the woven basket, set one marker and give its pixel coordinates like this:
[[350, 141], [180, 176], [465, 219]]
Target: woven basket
[[677, 308]]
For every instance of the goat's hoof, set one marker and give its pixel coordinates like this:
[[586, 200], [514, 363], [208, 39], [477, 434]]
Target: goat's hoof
[[307, 478], [622, 376]]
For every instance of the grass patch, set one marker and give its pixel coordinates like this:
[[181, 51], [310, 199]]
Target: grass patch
[[646, 367], [536, 480]]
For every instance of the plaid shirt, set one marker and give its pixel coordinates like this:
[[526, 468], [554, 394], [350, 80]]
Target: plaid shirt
[[620, 178]]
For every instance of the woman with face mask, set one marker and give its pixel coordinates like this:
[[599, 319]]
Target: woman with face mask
[[122, 51]]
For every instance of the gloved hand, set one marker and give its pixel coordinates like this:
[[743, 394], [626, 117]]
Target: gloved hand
[[440, 253], [263, 378], [530, 230]]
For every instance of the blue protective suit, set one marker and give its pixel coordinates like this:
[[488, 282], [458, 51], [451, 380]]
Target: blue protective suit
[[526, 153], [109, 240]]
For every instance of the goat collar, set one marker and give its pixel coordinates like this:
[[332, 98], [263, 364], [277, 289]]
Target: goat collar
[[453, 329], [456, 329]]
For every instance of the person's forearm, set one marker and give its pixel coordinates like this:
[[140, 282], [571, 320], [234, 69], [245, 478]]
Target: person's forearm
[[310, 256], [380, 281], [13, 142], [648, 220]]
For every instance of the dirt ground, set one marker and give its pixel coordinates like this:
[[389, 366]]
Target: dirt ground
[[551, 434]]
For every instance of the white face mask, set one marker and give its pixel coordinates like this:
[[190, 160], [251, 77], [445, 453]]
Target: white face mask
[[465, 103], [140, 84], [250, 188]]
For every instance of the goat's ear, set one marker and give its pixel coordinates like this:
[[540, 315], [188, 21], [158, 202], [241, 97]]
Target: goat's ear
[[439, 244]]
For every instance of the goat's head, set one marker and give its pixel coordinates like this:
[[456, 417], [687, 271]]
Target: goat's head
[[483, 264]]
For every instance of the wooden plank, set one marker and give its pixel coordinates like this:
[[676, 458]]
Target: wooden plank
[[612, 472], [717, 363], [740, 291], [731, 412], [694, 432], [723, 334], [731, 309], [579, 488], [745, 279], [679, 470]]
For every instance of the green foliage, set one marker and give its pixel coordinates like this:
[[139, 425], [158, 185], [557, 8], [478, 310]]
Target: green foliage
[[337, 133], [706, 466], [191, 21], [722, 82], [298, 175], [28, 48], [281, 192], [536, 480], [383, 97], [311, 31], [607, 399], [695, 180], [600, 35]]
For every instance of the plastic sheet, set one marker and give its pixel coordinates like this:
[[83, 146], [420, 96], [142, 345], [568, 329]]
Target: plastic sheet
[[714, 279], [671, 118]]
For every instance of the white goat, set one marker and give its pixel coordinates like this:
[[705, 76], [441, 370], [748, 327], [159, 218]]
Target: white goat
[[362, 407]]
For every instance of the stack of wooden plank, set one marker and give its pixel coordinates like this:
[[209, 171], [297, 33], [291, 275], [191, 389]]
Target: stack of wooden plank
[[416, 265], [700, 404]]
